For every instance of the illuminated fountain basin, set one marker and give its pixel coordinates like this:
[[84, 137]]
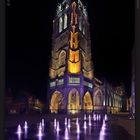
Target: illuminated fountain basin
[[62, 131]]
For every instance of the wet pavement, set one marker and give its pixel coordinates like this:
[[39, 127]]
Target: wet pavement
[[89, 128]]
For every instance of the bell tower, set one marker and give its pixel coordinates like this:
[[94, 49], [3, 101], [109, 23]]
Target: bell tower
[[71, 68]]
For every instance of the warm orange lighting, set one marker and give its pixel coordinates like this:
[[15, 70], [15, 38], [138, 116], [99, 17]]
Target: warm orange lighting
[[74, 40], [52, 73], [88, 74], [56, 102], [74, 56], [73, 101], [73, 14], [74, 67], [88, 102]]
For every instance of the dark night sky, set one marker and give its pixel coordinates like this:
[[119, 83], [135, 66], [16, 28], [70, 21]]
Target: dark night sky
[[28, 42]]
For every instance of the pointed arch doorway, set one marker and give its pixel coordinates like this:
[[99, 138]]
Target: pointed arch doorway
[[73, 101], [56, 102], [87, 102]]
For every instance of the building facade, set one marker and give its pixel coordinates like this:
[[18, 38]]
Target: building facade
[[71, 68], [107, 98]]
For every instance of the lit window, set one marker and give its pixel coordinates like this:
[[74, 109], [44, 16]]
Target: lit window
[[107, 100], [60, 82], [110, 101], [104, 101], [52, 84], [60, 24], [73, 80], [65, 21], [88, 84], [98, 99]]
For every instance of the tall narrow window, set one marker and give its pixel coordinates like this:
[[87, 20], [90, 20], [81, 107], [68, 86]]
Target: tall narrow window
[[83, 28], [60, 24], [80, 24], [109, 101], [104, 100], [65, 21]]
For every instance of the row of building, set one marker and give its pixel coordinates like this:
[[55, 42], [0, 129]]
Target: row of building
[[22, 104]]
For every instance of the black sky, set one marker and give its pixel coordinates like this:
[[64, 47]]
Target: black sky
[[28, 42]]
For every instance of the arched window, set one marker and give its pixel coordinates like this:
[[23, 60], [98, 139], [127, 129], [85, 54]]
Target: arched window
[[57, 101], [73, 100], [60, 24], [98, 99], [65, 21], [62, 58]]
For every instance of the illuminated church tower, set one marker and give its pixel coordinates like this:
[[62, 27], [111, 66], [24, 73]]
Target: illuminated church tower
[[71, 68]]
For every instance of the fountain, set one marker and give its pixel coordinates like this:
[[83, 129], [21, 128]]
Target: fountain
[[77, 121], [43, 122], [85, 117], [78, 128], [40, 126], [85, 125], [25, 129], [69, 123], [89, 122], [66, 134], [57, 127], [25, 125], [55, 123], [19, 131], [65, 121], [40, 134], [94, 118], [106, 118]]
